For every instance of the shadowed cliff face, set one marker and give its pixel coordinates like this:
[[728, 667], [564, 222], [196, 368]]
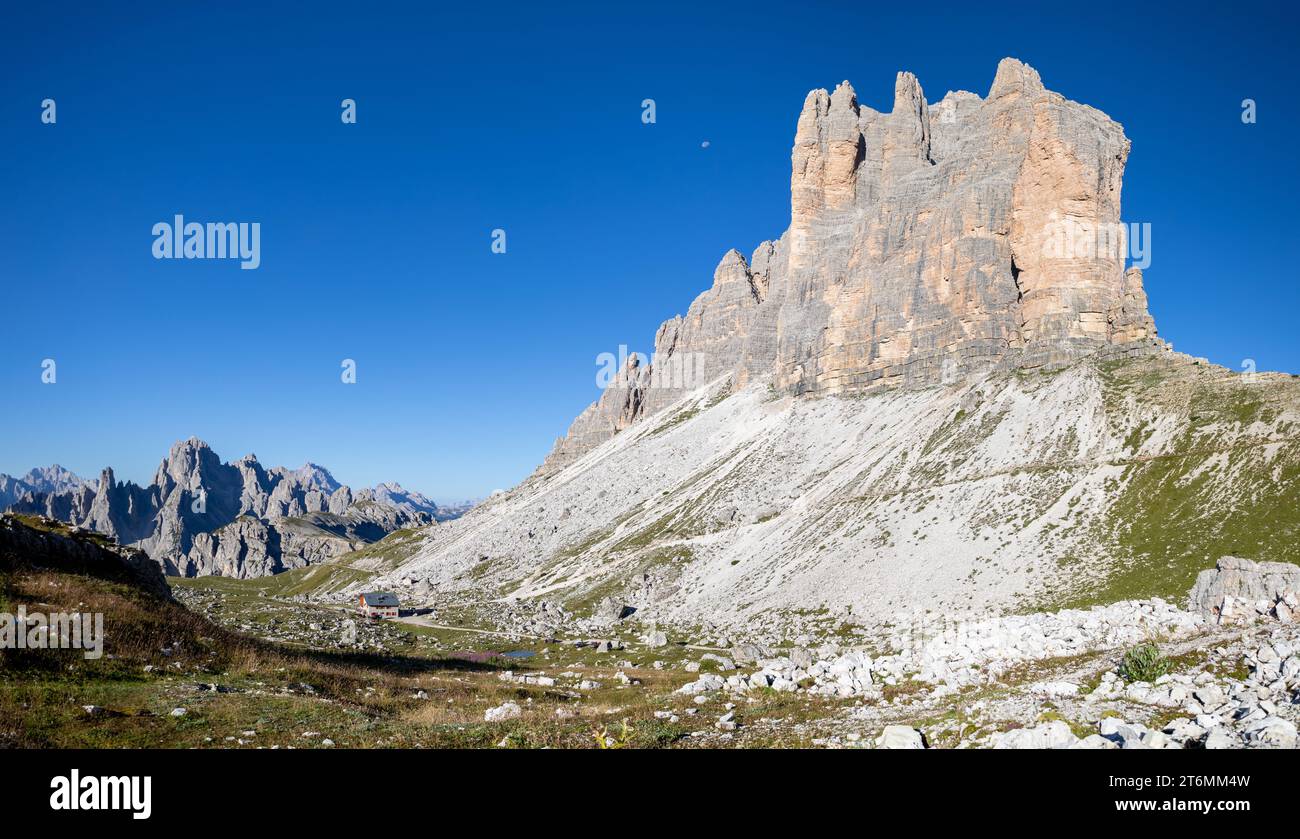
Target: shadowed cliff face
[[925, 245]]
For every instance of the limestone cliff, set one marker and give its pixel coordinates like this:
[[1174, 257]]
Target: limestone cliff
[[925, 245]]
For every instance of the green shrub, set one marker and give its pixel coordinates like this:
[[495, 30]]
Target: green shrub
[[1143, 663]]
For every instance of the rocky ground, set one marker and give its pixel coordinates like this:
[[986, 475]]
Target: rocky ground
[[222, 662], [1222, 674]]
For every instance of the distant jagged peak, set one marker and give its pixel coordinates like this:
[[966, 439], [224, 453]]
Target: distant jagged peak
[[42, 480], [393, 494], [188, 447], [54, 478], [313, 476], [191, 464]]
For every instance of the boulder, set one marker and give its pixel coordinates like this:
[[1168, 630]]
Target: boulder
[[1271, 732], [900, 737], [1241, 580], [1048, 735], [609, 611]]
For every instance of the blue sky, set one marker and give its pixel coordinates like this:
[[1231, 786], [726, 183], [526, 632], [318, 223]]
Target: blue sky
[[376, 236]]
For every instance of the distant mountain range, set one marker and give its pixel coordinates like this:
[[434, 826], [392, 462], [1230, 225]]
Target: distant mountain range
[[50, 479], [202, 516]]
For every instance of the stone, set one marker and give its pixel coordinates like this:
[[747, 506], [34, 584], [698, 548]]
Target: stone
[[1241, 580], [707, 683], [1120, 732], [609, 611], [1049, 735], [900, 737], [1271, 732], [723, 663], [506, 711], [1210, 696], [1208, 721]]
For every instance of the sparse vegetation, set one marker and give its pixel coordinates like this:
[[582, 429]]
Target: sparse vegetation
[[1143, 663]]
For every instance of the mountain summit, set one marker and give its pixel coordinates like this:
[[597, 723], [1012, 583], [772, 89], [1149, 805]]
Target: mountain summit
[[927, 244]]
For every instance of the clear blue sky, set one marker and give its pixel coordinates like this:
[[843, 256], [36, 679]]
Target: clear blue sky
[[375, 236]]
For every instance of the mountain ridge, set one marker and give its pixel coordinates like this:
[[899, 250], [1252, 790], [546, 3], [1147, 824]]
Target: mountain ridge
[[202, 516]]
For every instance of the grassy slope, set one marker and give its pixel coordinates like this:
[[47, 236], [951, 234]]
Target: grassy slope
[[1229, 484], [159, 654]]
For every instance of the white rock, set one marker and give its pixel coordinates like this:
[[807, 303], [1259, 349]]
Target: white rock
[[1271, 732], [900, 737], [1049, 735]]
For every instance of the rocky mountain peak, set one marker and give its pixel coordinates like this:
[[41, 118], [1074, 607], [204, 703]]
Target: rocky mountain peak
[[924, 246], [312, 476], [192, 465], [53, 478], [1014, 77]]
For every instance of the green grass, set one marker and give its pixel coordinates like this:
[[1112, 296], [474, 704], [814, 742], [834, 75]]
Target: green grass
[[1222, 487]]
